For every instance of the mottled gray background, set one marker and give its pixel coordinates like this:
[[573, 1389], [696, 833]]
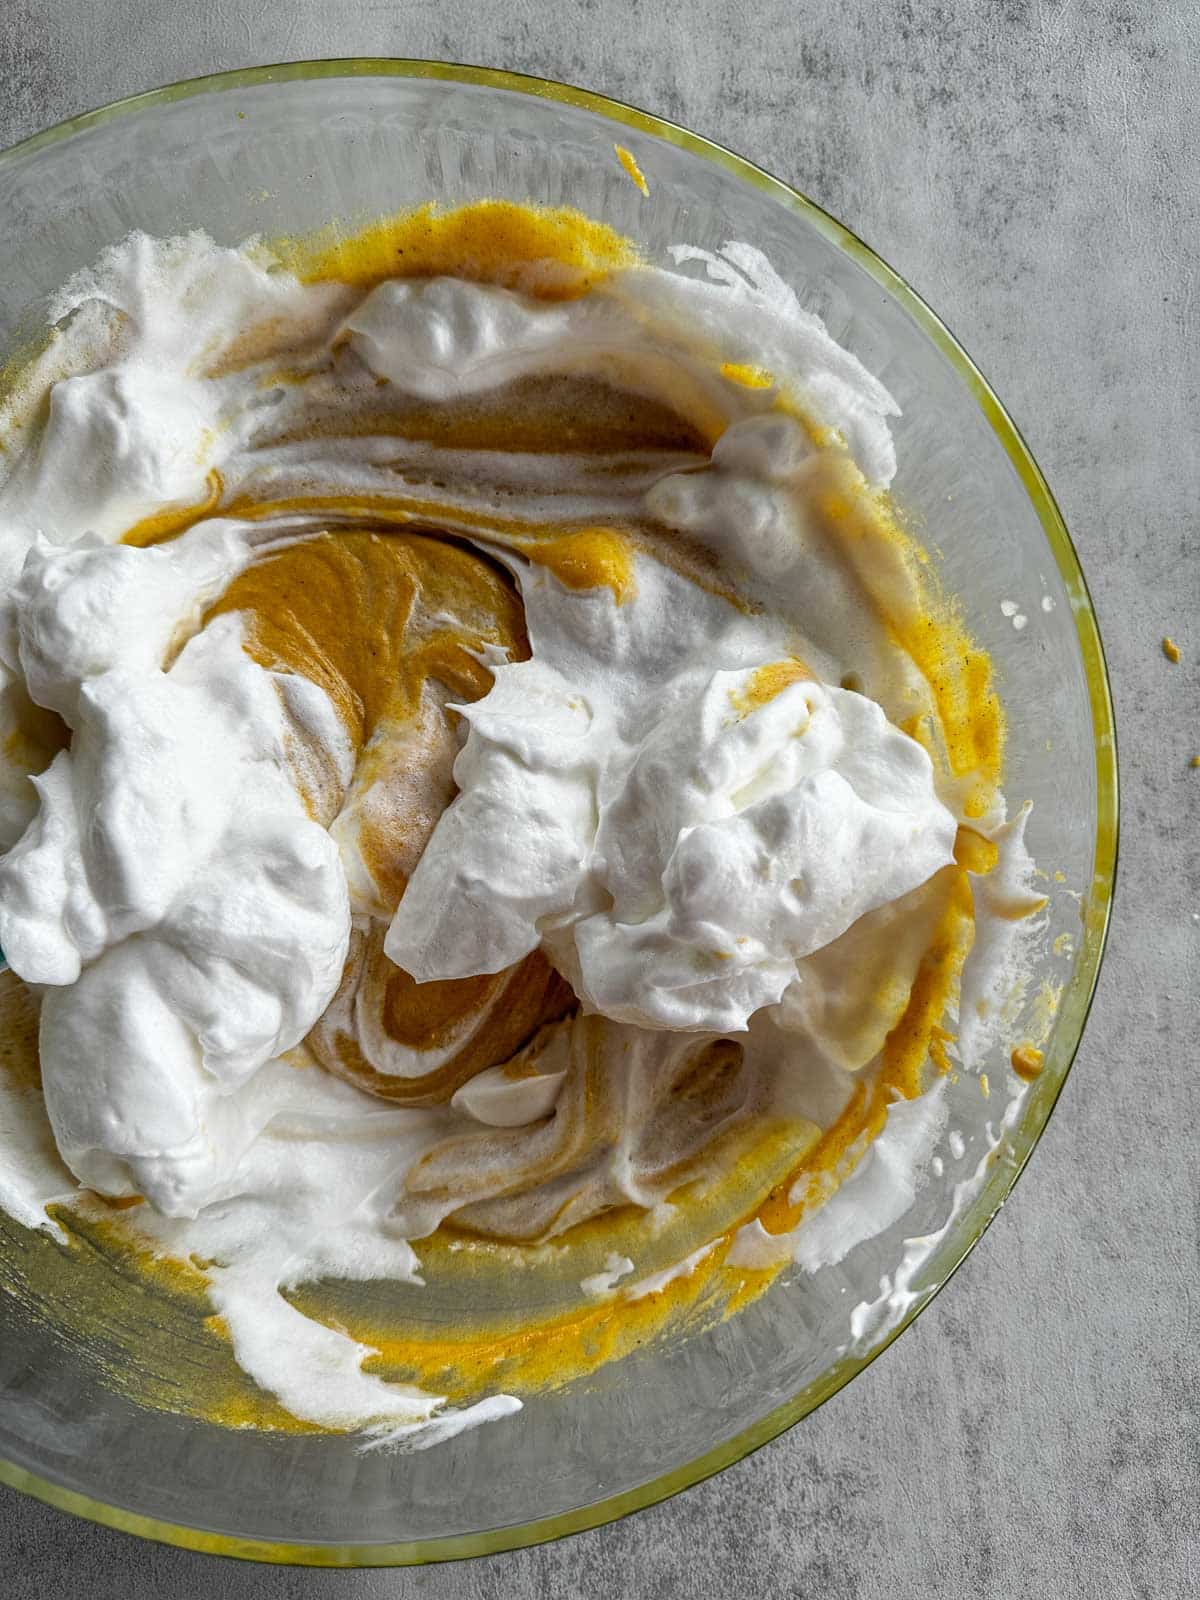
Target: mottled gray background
[[1034, 169]]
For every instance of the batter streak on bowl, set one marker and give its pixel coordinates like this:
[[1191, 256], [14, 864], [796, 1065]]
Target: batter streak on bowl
[[500, 816]]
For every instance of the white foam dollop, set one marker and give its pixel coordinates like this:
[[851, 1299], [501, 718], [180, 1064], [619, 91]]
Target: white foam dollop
[[189, 920], [681, 878]]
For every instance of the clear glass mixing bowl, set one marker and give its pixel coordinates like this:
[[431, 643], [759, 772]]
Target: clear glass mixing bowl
[[284, 150]]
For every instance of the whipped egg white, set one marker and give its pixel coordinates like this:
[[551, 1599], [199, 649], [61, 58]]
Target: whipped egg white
[[630, 835]]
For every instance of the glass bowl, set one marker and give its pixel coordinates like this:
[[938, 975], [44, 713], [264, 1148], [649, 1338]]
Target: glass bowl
[[283, 150]]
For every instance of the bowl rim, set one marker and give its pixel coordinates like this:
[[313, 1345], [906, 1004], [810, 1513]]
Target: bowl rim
[[1077, 997]]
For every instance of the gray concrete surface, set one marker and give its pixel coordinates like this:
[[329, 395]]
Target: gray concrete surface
[[1035, 170]]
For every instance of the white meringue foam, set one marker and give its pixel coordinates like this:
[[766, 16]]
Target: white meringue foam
[[725, 844], [187, 919]]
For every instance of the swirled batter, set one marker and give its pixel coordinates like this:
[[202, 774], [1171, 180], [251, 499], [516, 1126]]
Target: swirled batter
[[492, 796]]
